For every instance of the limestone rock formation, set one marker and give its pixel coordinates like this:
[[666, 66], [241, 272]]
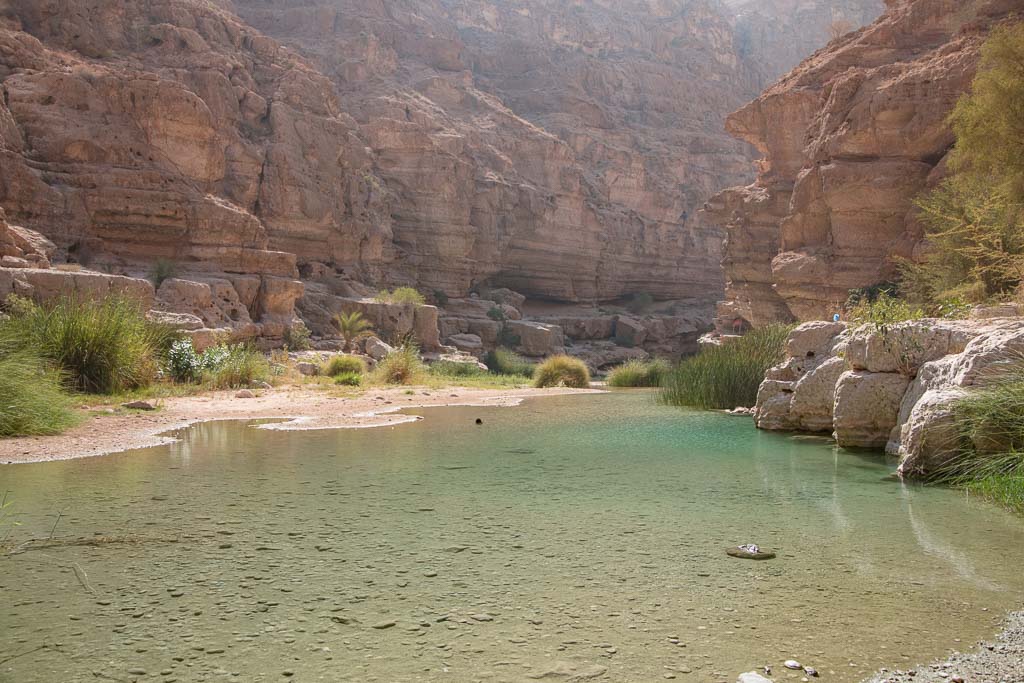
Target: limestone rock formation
[[891, 388], [849, 138]]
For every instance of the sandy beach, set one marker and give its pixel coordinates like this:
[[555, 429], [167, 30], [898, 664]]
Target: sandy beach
[[301, 408]]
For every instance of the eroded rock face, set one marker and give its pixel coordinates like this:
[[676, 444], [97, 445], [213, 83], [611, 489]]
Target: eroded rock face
[[893, 389], [849, 139]]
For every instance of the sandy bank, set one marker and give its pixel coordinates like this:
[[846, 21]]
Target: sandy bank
[[304, 408]]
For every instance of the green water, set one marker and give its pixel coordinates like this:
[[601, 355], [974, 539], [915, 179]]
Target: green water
[[579, 532]]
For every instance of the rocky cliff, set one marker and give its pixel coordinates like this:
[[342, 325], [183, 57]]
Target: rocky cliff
[[560, 149], [849, 139]]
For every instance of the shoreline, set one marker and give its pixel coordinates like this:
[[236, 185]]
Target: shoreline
[[299, 409], [999, 660]]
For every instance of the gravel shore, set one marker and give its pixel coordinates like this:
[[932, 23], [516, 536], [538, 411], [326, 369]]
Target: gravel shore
[[998, 661]]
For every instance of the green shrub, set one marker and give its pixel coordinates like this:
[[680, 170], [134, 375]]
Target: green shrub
[[163, 269], [562, 371], [639, 303], [401, 366], [352, 326], [505, 362], [727, 376], [344, 365], [234, 367], [440, 298], [183, 363], [296, 337], [349, 379], [884, 311], [496, 314], [101, 346], [638, 373], [401, 295], [31, 401]]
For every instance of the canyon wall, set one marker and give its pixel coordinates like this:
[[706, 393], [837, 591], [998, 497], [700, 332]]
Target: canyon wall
[[561, 149], [849, 139]]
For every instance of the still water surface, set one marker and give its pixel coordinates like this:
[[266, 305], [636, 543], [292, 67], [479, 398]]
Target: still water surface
[[570, 535]]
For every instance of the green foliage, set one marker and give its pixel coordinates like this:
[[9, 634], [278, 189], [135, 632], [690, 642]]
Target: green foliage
[[440, 298], [988, 458], [103, 346], [31, 401], [638, 373], [344, 365], [496, 314], [401, 295], [989, 122], [974, 220], [727, 376], [505, 362], [401, 366], [183, 363], [349, 379], [562, 371], [352, 327], [883, 312], [507, 338], [234, 366], [162, 269], [296, 337]]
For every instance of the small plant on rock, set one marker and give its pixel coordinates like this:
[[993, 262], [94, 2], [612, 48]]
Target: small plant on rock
[[353, 326], [162, 269], [562, 371], [401, 295]]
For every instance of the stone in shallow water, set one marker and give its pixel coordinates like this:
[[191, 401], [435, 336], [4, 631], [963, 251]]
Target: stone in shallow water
[[752, 677], [750, 553]]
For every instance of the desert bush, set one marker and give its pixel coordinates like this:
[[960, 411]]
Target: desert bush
[[496, 314], [31, 400], [161, 270], [296, 337], [401, 366], [234, 366], [344, 365], [640, 303], [638, 373], [726, 376], [183, 363], [883, 311], [349, 379], [562, 371], [401, 295], [505, 362], [352, 326], [102, 346]]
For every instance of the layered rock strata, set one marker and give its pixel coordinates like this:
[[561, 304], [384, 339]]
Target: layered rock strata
[[891, 388], [850, 138]]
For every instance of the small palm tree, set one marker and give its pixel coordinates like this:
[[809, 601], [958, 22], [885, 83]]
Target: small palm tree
[[353, 326]]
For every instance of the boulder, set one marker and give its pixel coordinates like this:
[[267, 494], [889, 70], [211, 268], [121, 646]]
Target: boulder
[[905, 347], [629, 332], [774, 409], [814, 396], [813, 340], [376, 349], [536, 339], [867, 407], [467, 343], [47, 284], [308, 369]]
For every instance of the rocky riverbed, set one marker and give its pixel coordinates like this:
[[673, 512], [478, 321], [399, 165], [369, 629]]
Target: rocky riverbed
[[998, 661]]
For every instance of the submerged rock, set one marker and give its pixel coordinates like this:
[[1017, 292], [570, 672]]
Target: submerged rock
[[752, 677], [750, 552]]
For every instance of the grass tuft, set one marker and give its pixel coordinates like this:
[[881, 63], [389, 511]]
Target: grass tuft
[[234, 367], [401, 295], [344, 365], [102, 346], [727, 376], [562, 371], [638, 373], [401, 366], [31, 401], [505, 362]]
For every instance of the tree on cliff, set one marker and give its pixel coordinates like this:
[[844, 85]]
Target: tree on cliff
[[975, 219]]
